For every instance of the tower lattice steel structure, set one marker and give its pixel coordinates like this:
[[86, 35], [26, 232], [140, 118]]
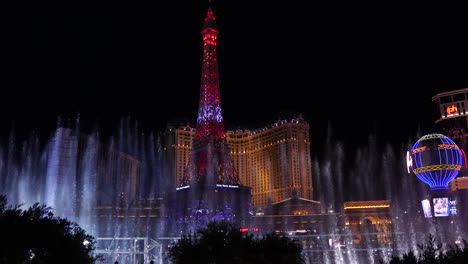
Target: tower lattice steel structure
[[210, 189], [210, 159]]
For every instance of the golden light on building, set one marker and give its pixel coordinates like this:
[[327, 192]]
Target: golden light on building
[[366, 204], [459, 183], [274, 160], [370, 221]]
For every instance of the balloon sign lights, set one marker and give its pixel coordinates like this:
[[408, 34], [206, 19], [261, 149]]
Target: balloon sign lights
[[436, 160]]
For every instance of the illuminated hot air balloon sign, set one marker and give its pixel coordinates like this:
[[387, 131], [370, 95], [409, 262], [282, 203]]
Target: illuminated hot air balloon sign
[[436, 160]]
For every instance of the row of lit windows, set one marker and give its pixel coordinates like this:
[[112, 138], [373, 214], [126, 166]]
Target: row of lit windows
[[266, 159]]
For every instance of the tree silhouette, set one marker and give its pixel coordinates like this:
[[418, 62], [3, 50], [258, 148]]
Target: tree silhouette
[[221, 242], [35, 236], [434, 253]]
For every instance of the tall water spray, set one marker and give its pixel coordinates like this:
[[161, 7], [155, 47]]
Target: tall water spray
[[83, 175], [374, 171]]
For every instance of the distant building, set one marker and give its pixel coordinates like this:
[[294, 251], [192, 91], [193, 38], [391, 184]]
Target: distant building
[[274, 161], [452, 108], [452, 115], [183, 141], [88, 179], [370, 222], [76, 160], [452, 121], [290, 215], [459, 186], [459, 183]]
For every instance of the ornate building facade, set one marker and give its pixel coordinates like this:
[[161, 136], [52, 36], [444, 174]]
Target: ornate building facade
[[370, 223]]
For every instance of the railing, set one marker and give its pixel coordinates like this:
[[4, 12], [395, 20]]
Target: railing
[[131, 250]]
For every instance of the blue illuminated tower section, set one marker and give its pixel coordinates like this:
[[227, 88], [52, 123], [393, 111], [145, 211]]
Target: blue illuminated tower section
[[210, 160]]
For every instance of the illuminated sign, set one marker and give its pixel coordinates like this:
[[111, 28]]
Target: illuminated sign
[[453, 207], [243, 229], [426, 205], [227, 186], [441, 206], [452, 109], [409, 161]]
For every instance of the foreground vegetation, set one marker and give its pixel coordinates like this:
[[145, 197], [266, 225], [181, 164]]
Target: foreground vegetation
[[220, 242], [36, 236], [434, 253]]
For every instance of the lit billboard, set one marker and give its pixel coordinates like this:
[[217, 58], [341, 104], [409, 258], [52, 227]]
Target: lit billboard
[[426, 205], [439, 207]]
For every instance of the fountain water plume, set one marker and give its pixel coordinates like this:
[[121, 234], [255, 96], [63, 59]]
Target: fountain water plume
[[82, 175], [78, 173]]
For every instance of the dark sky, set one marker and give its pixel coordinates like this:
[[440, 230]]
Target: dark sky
[[144, 60]]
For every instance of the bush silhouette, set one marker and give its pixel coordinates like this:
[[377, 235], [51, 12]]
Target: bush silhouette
[[221, 242], [434, 253], [35, 236]]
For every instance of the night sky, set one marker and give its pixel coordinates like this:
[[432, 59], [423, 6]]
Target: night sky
[[104, 62]]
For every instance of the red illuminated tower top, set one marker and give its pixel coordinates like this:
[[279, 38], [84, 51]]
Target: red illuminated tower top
[[210, 118], [210, 160]]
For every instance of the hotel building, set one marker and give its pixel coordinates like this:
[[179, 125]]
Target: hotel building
[[274, 160], [452, 115], [452, 120]]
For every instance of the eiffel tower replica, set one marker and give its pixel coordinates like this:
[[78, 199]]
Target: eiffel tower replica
[[210, 189]]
